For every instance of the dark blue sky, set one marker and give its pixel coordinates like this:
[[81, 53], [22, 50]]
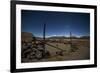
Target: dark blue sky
[[57, 23]]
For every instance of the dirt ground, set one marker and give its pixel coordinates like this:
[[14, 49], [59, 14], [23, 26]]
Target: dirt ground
[[78, 50]]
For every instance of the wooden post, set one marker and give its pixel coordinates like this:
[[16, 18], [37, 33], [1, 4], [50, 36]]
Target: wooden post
[[44, 27], [71, 39]]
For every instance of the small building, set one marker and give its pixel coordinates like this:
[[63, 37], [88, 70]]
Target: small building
[[26, 36]]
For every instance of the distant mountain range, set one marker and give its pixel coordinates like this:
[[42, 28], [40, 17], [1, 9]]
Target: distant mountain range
[[30, 35], [73, 37], [63, 37]]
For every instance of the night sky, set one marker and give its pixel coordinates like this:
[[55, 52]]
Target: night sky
[[57, 23]]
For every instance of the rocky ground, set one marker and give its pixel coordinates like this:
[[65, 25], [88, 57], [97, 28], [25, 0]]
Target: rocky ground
[[78, 50]]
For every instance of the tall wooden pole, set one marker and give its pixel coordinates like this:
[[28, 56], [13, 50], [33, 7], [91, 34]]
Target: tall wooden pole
[[71, 39], [44, 28]]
